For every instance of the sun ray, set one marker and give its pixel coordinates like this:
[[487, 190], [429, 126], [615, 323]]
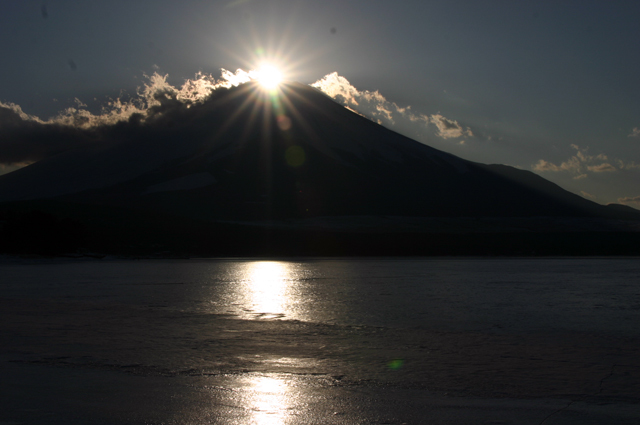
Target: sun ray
[[250, 101], [296, 115]]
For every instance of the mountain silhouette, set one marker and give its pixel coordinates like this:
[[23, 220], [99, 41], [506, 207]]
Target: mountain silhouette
[[249, 156]]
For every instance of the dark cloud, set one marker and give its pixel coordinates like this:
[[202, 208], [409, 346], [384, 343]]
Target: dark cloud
[[24, 141], [44, 12], [27, 140], [72, 64], [158, 110]]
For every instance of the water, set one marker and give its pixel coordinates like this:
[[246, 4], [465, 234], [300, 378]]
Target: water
[[498, 295], [306, 341]]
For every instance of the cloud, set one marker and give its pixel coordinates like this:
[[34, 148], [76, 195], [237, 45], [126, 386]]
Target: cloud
[[602, 168], [448, 129], [370, 104], [573, 164], [25, 138], [630, 200], [376, 107], [543, 165], [635, 132], [581, 163], [629, 165], [587, 195]]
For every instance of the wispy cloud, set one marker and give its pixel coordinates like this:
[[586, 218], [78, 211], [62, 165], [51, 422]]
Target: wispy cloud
[[605, 167], [582, 163], [587, 195], [627, 165], [543, 165], [635, 200], [448, 129], [635, 132]]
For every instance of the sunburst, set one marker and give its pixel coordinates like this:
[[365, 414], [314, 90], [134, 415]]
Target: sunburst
[[268, 76]]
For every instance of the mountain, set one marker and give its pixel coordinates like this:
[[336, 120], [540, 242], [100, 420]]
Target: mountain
[[294, 161]]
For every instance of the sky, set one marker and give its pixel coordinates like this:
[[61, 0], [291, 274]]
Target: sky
[[551, 87]]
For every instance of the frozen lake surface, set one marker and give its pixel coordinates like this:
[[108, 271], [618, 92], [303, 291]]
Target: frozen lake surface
[[590, 294], [447, 337]]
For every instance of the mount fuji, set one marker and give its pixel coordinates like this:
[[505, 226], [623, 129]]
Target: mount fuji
[[247, 162]]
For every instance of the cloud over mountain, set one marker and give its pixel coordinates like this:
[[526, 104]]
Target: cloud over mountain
[[375, 106], [25, 138]]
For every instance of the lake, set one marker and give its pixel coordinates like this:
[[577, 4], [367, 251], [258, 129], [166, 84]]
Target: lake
[[489, 329], [589, 294]]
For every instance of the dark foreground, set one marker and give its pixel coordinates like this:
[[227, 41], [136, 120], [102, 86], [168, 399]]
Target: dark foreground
[[78, 362], [55, 229]]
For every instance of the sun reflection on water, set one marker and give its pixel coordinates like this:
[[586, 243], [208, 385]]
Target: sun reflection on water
[[270, 401], [268, 287]]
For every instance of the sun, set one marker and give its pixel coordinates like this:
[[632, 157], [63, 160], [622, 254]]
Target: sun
[[268, 76]]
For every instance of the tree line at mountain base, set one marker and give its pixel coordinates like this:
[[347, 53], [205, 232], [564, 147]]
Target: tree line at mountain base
[[62, 231]]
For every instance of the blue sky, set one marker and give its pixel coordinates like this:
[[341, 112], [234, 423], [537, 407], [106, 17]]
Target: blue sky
[[547, 86]]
